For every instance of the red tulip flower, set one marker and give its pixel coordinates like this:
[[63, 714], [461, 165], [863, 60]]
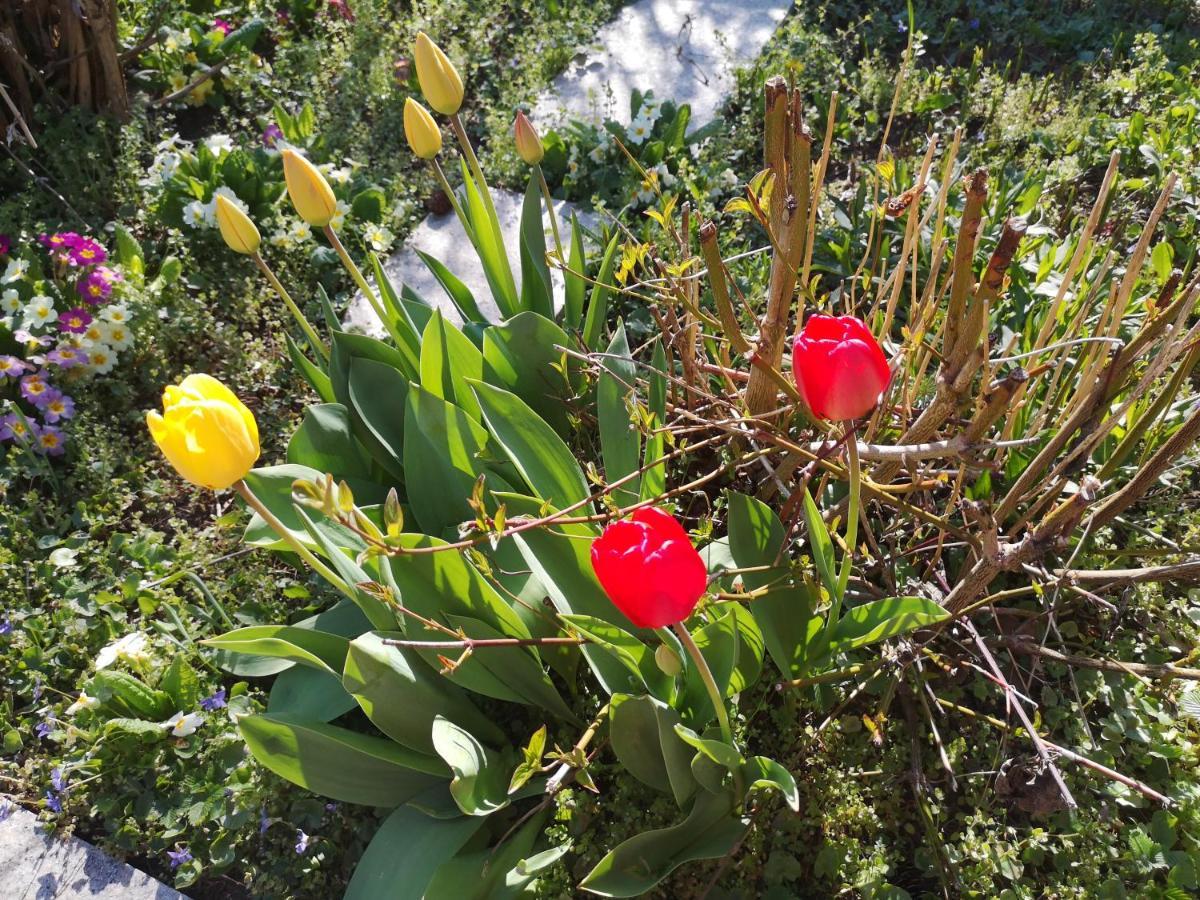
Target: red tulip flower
[[649, 568], [840, 369]]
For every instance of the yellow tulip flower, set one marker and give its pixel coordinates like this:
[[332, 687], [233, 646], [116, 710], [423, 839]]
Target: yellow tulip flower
[[236, 228], [205, 432], [424, 136], [439, 79], [310, 192]]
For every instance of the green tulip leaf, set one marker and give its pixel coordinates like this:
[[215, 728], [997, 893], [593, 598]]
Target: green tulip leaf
[[338, 763], [309, 695], [761, 773], [402, 696], [406, 852], [882, 619], [654, 478], [536, 292], [316, 649], [520, 356], [620, 439], [710, 831], [448, 358], [480, 783], [460, 295]]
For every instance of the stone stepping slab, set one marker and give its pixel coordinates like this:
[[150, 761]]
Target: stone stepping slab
[[684, 50], [35, 865]]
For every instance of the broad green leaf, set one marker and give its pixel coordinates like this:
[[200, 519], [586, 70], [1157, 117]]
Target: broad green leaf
[[272, 485], [721, 753], [748, 662], [642, 731], [632, 653], [520, 356], [517, 667], [377, 393], [597, 311], [310, 372], [460, 295], [544, 461], [447, 448], [488, 241], [820, 544], [480, 783], [325, 441], [761, 772], [309, 695], [718, 643], [448, 358], [620, 439], [560, 557], [405, 852], [377, 612], [401, 695], [347, 346], [404, 325], [338, 763], [306, 646], [181, 683], [241, 38], [711, 830], [574, 279], [654, 479], [785, 613], [536, 293], [881, 619], [489, 873], [123, 695]]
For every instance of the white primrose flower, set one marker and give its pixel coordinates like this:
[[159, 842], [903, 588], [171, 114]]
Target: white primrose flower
[[84, 702], [219, 144], [117, 336], [15, 269], [378, 237], [101, 359], [301, 231], [39, 312], [132, 647], [10, 301], [339, 215], [639, 129], [183, 724], [118, 314], [195, 214]]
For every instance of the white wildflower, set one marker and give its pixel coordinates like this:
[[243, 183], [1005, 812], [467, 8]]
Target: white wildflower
[[84, 702], [183, 724], [132, 648]]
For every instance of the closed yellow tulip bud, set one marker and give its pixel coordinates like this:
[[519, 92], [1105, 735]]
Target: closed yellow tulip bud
[[310, 192], [205, 432], [422, 132], [236, 228], [529, 145], [439, 79]]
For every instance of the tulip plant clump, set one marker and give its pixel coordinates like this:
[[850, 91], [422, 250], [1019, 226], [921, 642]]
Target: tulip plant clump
[[504, 502]]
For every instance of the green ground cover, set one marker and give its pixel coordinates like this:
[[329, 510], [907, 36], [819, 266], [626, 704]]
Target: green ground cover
[[109, 542]]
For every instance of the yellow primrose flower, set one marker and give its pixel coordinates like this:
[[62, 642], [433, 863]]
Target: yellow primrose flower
[[205, 432]]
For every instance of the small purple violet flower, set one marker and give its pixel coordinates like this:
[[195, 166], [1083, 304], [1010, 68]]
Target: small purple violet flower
[[179, 857], [214, 701], [53, 803], [271, 135], [301, 842]]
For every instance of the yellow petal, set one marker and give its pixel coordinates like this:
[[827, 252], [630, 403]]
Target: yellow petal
[[440, 82]]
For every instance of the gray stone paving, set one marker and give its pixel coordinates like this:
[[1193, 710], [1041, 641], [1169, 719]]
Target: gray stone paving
[[35, 865], [683, 50]]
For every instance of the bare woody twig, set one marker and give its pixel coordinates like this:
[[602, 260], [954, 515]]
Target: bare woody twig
[[1145, 670]]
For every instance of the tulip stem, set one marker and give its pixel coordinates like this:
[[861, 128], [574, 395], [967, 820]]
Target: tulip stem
[[303, 322], [854, 469], [450, 195], [290, 539], [714, 694], [537, 168], [361, 281]]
